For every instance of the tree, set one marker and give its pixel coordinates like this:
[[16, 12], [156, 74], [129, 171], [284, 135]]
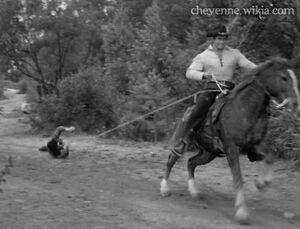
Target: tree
[[153, 43], [136, 9], [48, 40], [176, 17], [147, 95], [118, 38], [277, 34]]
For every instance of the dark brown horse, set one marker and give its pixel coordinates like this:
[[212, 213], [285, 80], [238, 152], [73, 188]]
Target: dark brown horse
[[242, 125]]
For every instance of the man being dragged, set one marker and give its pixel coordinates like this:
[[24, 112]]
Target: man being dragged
[[57, 147]]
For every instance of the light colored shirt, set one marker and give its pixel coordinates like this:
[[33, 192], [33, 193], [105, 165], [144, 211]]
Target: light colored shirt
[[221, 68]]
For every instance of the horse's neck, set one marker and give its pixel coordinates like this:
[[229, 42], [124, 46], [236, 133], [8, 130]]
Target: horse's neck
[[256, 99]]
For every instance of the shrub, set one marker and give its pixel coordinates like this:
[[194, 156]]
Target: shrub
[[283, 135], [22, 86], [9, 84], [84, 100], [146, 129], [1, 87], [32, 94], [147, 94], [6, 170]]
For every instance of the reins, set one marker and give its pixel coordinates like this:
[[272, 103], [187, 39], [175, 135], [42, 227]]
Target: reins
[[262, 86], [277, 105], [223, 91]]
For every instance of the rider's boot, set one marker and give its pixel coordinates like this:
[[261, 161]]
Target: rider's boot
[[182, 144], [191, 122]]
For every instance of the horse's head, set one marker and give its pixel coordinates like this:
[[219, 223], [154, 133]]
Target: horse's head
[[280, 82]]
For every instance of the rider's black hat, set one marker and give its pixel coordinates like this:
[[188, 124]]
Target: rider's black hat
[[217, 30]]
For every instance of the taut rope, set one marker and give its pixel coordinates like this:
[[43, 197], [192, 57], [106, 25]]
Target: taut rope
[[153, 112]]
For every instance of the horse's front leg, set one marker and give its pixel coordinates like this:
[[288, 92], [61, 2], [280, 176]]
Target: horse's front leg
[[265, 179], [242, 212]]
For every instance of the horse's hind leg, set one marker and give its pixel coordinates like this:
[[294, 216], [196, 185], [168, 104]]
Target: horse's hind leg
[[164, 189], [203, 157]]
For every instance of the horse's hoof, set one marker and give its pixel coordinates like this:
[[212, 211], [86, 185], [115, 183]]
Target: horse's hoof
[[262, 186], [193, 192], [164, 189], [242, 215], [259, 185], [192, 189], [165, 194]]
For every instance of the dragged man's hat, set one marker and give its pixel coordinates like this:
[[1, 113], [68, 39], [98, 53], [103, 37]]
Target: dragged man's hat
[[217, 30]]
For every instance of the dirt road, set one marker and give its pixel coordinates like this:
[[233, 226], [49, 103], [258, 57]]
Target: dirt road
[[115, 184]]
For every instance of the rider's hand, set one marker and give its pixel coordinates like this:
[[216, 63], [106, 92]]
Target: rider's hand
[[207, 76]]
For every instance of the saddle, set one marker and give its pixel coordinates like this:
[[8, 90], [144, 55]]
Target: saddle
[[215, 110]]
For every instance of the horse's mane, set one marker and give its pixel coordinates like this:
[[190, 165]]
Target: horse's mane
[[249, 76], [258, 69]]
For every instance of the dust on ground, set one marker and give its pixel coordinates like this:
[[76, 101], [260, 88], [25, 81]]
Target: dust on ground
[[114, 184]]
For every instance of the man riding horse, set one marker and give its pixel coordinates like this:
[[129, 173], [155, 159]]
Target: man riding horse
[[215, 66], [242, 121]]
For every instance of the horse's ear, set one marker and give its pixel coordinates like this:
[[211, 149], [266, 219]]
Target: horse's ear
[[280, 61], [259, 68], [277, 59], [269, 63]]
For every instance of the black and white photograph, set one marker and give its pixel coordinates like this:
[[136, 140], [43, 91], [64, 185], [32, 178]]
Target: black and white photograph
[[149, 114]]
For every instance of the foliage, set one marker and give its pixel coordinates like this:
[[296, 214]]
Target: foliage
[[5, 171], [147, 96], [99, 63], [47, 41], [118, 37], [136, 9], [85, 100], [283, 135], [1, 87], [146, 85], [23, 86]]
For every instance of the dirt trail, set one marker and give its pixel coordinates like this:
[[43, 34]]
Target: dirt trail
[[115, 184]]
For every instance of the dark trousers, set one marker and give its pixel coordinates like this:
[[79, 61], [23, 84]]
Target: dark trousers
[[193, 122]]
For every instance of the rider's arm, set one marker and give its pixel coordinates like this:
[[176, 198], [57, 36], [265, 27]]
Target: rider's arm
[[196, 70], [243, 62]]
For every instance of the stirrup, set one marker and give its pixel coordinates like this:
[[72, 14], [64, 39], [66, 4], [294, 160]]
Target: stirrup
[[174, 151], [180, 152]]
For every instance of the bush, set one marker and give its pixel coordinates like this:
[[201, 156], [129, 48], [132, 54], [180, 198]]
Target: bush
[[22, 86], [1, 87], [9, 84], [32, 95], [147, 129], [84, 100], [283, 135]]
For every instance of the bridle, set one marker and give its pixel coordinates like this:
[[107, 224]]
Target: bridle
[[277, 105]]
